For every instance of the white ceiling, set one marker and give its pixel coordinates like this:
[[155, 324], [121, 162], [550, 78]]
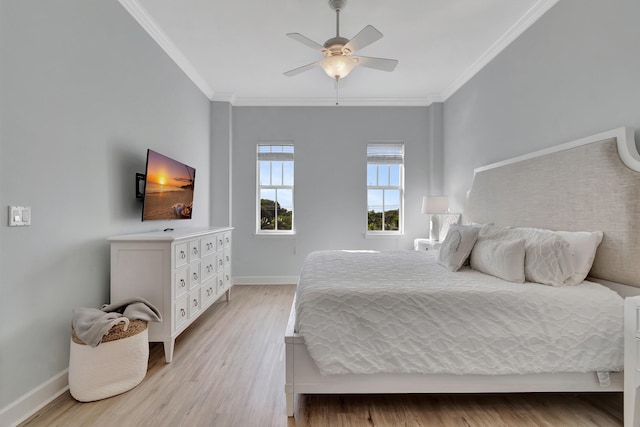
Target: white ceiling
[[236, 50]]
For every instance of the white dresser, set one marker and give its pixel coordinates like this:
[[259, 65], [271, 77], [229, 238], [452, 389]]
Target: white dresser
[[181, 272]]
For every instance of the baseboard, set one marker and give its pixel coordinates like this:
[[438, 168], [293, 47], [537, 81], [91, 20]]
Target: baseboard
[[265, 280], [34, 400]]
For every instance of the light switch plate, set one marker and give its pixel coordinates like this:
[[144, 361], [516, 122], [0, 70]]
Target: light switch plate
[[19, 216]]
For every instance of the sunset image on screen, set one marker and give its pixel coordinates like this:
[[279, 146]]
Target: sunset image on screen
[[168, 188]]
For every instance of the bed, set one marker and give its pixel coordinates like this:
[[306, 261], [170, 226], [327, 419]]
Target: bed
[[607, 165]]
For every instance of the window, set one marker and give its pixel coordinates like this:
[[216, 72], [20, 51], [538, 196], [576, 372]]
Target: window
[[385, 188], [275, 188]]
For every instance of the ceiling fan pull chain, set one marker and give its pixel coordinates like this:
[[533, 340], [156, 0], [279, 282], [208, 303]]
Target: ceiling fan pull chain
[[337, 93]]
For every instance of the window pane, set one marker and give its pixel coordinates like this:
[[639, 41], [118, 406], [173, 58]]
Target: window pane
[[276, 173], [372, 174], [287, 169], [287, 149], [391, 209], [267, 209], [264, 148], [394, 175], [265, 172], [374, 209], [383, 175], [285, 209], [276, 148]]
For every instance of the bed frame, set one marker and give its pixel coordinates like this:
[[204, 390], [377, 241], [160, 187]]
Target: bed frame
[[607, 164]]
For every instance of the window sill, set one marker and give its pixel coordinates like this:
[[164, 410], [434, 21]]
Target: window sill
[[276, 234], [383, 235]]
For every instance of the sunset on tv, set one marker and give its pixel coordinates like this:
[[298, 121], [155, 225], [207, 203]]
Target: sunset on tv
[[168, 190]]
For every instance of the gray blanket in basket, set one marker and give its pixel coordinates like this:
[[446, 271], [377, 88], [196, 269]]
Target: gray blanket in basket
[[91, 324]]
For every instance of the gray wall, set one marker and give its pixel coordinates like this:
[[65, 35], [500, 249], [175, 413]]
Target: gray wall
[[574, 73], [84, 91], [330, 179]]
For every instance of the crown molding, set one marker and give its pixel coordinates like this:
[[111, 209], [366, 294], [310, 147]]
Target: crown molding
[[532, 15], [141, 15], [143, 18], [224, 97], [328, 102]]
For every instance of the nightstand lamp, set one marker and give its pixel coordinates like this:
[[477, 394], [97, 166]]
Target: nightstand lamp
[[435, 206]]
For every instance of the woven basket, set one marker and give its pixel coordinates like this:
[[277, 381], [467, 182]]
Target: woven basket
[[116, 365], [117, 332]]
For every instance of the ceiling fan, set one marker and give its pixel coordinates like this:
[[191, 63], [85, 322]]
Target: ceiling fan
[[338, 59]]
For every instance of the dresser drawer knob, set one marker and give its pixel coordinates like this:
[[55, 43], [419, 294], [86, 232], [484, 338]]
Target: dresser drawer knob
[[195, 276], [182, 283], [182, 255], [182, 312], [195, 302], [195, 251]]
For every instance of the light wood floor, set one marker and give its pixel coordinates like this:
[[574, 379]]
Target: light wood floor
[[228, 370]]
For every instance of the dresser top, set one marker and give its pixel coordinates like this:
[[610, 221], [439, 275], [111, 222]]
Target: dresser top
[[169, 235]]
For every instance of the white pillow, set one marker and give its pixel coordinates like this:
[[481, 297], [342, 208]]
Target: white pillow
[[548, 258], [583, 246], [456, 247], [500, 258]]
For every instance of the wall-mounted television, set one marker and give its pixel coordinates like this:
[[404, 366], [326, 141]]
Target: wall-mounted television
[[168, 188]]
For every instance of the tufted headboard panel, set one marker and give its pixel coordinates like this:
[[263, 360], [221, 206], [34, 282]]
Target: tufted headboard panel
[[586, 185]]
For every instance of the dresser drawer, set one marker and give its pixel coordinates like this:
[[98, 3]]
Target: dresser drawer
[[194, 250], [194, 302], [194, 274], [226, 258], [219, 241], [207, 268], [208, 292], [181, 257], [227, 278], [181, 315], [208, 245], [220, 261], [181, 281]]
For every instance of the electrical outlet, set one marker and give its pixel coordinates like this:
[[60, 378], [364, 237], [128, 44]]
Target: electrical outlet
[[19, 216]]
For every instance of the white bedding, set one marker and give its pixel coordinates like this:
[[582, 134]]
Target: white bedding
[[400, 312]]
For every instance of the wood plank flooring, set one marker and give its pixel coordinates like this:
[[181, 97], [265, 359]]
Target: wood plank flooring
[[228, 370]]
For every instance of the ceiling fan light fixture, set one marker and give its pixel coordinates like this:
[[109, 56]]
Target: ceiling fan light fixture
[[338, 67], [338, 62]]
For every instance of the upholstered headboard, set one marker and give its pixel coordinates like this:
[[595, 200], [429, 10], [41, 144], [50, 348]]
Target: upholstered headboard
[[591, 184]]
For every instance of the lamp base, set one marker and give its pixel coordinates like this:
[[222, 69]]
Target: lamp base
[[434, 228]]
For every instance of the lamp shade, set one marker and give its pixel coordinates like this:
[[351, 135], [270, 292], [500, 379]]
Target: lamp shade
[[435, 204]]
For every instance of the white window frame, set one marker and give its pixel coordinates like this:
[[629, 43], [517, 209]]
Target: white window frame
[[274, 156], [381, 158]]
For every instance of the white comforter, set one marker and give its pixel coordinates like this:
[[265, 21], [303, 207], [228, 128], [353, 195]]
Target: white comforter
[[400, 312]]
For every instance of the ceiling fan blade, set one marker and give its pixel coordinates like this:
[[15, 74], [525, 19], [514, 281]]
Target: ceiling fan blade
[[365, 37], [306, 40], [382, 64], [302, 69]]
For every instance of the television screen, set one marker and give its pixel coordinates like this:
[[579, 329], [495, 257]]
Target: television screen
[[168, 189]]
